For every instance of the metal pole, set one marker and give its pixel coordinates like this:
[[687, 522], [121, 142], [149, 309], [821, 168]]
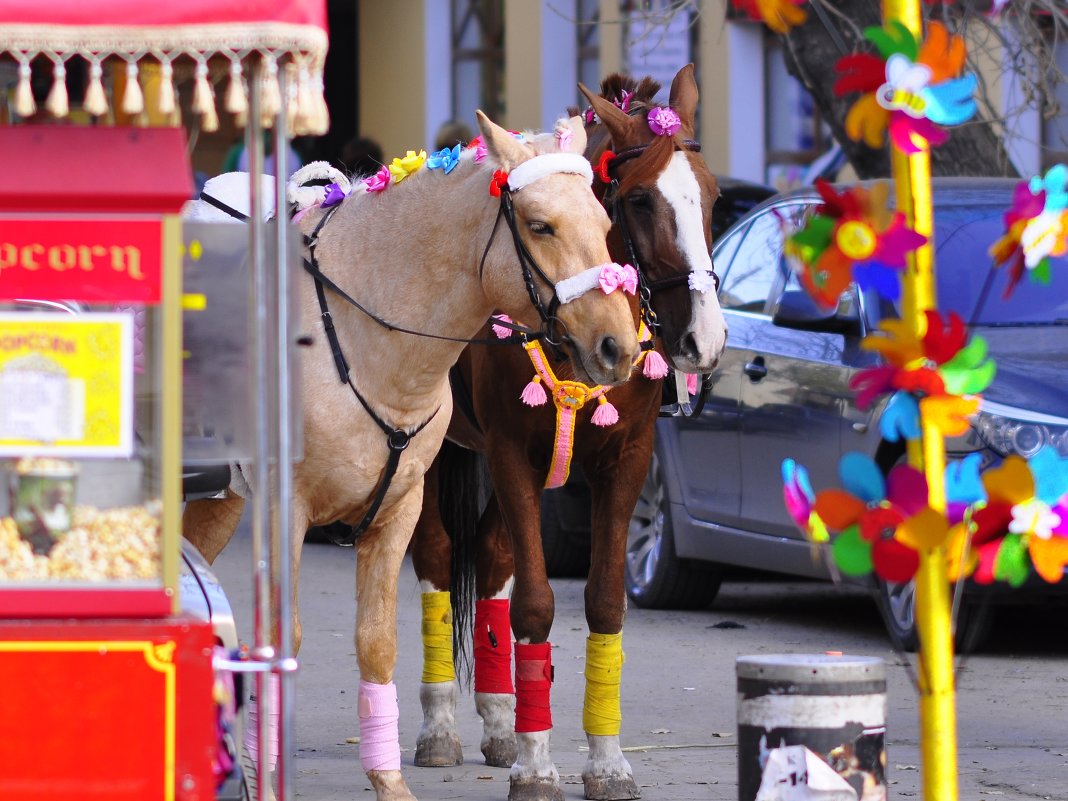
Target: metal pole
[[282, 514], [262, 650], [938, 713]]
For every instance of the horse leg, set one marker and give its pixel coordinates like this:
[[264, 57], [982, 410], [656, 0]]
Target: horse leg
[[379, 554], [607, 775], [492, 636], [534, 776], [251, 742], [438, 744], [210, 524]]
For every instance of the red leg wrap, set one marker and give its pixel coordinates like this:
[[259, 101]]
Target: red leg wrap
[[533, 678], [493, 647]]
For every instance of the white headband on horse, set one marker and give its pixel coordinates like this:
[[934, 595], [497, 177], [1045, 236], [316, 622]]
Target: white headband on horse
[[548, 164]]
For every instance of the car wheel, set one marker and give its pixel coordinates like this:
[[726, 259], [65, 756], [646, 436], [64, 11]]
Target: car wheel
[[567, 555], [655, 577], [897, 603]]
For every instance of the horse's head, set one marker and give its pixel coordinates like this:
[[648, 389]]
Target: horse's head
[[660, 193], [558, 230]]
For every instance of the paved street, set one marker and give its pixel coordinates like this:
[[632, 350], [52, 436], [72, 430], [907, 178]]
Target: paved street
[[678, 689]]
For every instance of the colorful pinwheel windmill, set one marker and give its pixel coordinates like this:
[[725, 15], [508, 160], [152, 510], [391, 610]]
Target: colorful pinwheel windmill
[[909, 87], [852, 235], [1036, 227]]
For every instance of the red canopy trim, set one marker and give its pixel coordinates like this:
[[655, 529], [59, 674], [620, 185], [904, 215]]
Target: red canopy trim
[[285, 35]]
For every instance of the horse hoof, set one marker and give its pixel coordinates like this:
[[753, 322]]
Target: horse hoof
[[500, 752], [535, 789], [439, 751], [609, 788]]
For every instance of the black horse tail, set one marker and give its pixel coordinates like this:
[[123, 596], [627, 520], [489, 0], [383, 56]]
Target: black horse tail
[[463, 490]]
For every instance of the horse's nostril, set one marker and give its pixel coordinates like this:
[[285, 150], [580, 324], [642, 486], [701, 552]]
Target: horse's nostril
[[609, 351], [688, 347]]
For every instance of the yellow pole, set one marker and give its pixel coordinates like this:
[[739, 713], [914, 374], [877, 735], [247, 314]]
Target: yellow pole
[[938, 714]]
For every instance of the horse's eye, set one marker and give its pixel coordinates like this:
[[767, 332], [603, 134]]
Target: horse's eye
[[641, 200], [541, 228]]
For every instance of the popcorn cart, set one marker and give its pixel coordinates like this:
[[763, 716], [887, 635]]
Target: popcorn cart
[[115, 685]]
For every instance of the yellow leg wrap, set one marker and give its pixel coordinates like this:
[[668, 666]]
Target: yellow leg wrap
[[437, 638], [604, 668]]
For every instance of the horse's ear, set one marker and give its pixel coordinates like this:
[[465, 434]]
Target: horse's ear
[[617, 121], [578, 139], [503, 149], [683, 97]]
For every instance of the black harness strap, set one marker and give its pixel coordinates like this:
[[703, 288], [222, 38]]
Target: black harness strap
[[214, 201]]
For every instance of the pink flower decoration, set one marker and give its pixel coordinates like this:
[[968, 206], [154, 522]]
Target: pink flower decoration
[[613, 276], [664, 121], [379, 181], [624, 101]]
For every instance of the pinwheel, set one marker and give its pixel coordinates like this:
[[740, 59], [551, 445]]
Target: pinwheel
[[1036, 227], [779, 15], [799, 498], [909, 88], [880, 522], [1024, 520], [852, 235], [933, 370]]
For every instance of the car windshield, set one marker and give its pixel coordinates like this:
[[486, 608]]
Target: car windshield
[[968, 285]]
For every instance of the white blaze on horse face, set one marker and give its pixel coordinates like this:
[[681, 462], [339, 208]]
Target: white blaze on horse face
[[708, 330]]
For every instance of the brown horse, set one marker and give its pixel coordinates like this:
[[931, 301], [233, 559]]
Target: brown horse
[[434, 255], [660, 194]]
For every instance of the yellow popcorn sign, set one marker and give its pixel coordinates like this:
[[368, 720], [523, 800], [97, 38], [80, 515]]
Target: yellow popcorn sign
[[66, 384]]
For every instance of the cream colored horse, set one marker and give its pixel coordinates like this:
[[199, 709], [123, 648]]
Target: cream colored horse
[[414, 255]]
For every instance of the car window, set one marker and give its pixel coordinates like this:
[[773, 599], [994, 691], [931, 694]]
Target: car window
[[751, 259]]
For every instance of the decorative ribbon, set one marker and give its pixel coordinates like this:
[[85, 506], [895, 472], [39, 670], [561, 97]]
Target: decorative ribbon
[[570, 396], [664, 121], [437, 638]]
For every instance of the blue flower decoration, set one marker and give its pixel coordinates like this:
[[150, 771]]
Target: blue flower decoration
[[445, 159]]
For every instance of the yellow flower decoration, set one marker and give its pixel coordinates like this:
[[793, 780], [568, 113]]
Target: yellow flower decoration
[[401, 168]]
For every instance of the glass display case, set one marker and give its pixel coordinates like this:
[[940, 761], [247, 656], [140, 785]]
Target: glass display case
[[90, 389]]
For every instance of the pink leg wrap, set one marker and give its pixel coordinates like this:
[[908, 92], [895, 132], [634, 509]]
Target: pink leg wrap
[[252, 725], [533, 680], [379, 733], [493, 647]]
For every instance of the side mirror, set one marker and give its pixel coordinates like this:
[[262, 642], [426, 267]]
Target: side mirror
[[797, 310]]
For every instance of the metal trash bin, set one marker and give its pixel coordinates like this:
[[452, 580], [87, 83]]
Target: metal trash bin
[[811, 726]]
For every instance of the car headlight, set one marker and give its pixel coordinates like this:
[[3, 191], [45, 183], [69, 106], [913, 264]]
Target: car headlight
[[1008, 430]]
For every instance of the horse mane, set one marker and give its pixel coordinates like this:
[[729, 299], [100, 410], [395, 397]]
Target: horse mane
[[658, 151]]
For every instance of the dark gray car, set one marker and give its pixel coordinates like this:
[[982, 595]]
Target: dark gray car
[[713, 496]]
